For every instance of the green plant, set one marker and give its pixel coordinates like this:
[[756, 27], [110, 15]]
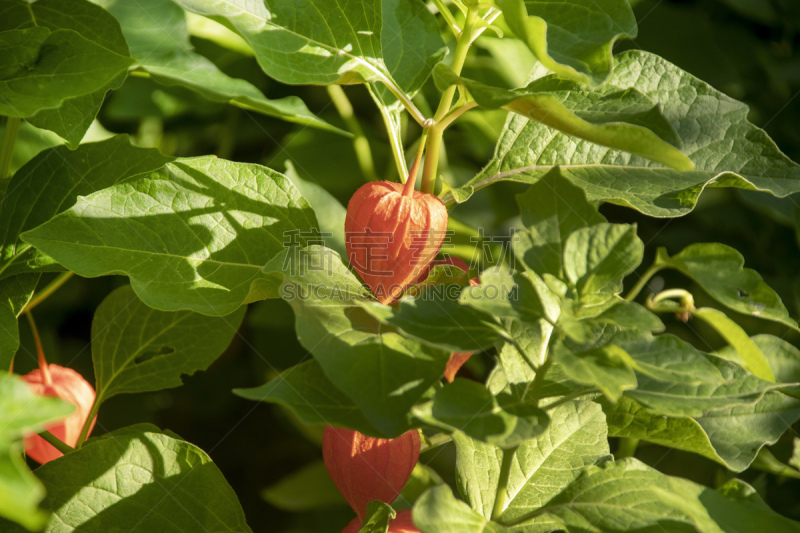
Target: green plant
[[596, 341]]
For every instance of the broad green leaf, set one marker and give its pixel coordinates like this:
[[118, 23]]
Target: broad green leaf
[[573, 38], [40, 69], [551, 210], [143, 478], [332, 41], [726, 149], [625, 314], [478, 466], [505, 294], [20, 491], [544, 466], [307, 391], [720, 271], [513, 59], [72, 118], [783, 357], [436, 319], [597, 258], [731, 437], [22, 411], [630, 496], [626, 119], [193, 235], [605, 368], [330, 213], [422, 478], [65, 175], [747, 353], [306, 489], [381, 371], [15, 293], [438, 511], [30, 141], [157, 34], [377, 519], [467, 406], [138, 349]]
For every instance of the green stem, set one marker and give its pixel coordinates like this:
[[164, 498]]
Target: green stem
[[634, 292], [43, 367], [538, 379], [435, 137], [52, 287], [360, 143], [434, 442], [7, 149], [88, 423], [501, 495], [453, 115], [626, 448], [57, 443], [448, 17]]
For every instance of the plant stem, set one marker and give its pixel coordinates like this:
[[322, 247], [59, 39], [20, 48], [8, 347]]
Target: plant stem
[[448, 17], [435, 442], [7, 149], [450, 118], [408, 190], [52, 287], [360, 143], [88, 423], [626, 448], [435, 137], [634, 292], [501, 495], [57, 443], [39, 350]]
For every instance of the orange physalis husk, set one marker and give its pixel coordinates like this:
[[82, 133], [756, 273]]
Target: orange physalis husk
[[402, 523], [367, 468], [392, 233], [59, 382]]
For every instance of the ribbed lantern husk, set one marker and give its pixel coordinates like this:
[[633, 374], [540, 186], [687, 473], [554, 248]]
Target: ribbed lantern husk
[[366, 468], [402, 523], [392, 234], [68, 385]]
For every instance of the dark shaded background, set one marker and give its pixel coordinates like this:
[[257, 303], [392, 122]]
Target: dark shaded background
[[746, 48]]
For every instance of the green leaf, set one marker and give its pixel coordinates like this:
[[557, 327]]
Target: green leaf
[[173, 62], [113, 478], [330, 213], [138, 349], [720, 271], [783, 357], [22, 411], [630, 496], [746, 352], [381, 371], [478, 467], [308, 392], [422, 478], [438, 320], [41, 69], [467, 406], [15, 293], [551, 210], [65, 175], [306, 489], [438, 511], [625, 119], [502, 293], [726, 149], [605, 368], [331, 41], [731, 437], [597, 258], [625, 314], [196, 234], [72, 118], [377, 519], [574, 38]]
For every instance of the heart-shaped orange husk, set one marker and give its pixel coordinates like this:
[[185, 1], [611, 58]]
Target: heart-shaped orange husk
[[68, 385], [392, 234], [366, 468]]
